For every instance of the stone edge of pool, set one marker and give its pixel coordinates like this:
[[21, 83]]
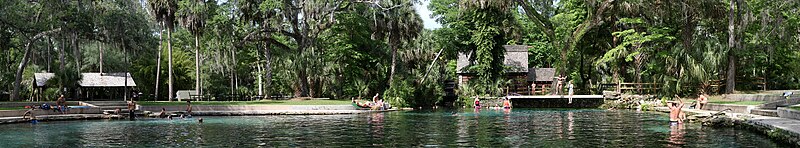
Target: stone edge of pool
[[217, 110], [776, 128]]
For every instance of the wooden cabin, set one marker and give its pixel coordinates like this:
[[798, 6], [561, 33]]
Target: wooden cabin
[[516, 61]]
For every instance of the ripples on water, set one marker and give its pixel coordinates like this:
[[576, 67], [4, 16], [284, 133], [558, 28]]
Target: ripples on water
[[484, 128]]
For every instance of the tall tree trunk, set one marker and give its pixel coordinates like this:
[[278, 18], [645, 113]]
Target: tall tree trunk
[[197, 64], [393, 46], [20, 69], [268, 69], [302, 75], [158, 62], [50, 46], [61, 53], [730, 83], [234, 83], [77, 52], [125, 52], [24, 62], [169, 64], [101, 44]]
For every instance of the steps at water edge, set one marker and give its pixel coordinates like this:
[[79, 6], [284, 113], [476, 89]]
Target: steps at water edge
[[765, 112], [105, 103]]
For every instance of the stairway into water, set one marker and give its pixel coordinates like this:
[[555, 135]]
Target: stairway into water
[[771, 108]]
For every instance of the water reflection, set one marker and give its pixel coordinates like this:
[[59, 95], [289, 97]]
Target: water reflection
[[676, 138], [473, 127]]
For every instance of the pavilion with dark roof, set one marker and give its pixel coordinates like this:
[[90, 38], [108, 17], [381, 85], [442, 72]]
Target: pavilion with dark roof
[[93, 86]]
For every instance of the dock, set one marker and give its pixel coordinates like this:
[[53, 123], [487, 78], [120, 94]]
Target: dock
[[557, 101]]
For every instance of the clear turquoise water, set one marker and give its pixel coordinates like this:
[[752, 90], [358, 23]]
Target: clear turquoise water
[[485, 128]]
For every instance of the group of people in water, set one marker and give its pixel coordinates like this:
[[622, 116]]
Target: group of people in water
[[506, 103], [375, 104], [676, 114]]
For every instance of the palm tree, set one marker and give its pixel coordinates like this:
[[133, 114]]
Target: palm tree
[[401, 24], [193, 16], [164, 10]]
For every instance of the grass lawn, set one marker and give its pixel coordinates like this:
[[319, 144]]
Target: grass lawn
[[719, 100], [12, 108], [794, 107], [265, 102]]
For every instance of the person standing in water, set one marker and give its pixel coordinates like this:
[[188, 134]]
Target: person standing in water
[[507, 103], [675, 112], [477, 102], [188, 107], [131, 110], [569, 86]]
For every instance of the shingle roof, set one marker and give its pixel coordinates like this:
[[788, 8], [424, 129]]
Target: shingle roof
[[41, 78], [541, 74], [106, 80], [516, 59], [91, 79]]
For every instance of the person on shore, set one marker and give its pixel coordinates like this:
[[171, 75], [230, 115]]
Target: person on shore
[[507, 103], [61, 103], [477, 102], [569, 86], [533, 88], [131, 110], [675, 112], [189, 107], [703, 100], [559, 84], [787, 94], [163, 113]]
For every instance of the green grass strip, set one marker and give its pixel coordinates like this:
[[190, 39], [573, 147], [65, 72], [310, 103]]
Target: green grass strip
[[265, 102], [12, 108], [737, 102]]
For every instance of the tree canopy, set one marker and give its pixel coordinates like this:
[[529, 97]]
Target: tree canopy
[[356, 48]]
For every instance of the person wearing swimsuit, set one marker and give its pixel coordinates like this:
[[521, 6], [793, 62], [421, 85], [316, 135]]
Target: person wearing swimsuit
[[675, 112], [507, 103], [477, 102]]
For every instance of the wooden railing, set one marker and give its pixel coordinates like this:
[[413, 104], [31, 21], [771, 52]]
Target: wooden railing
[[638, 88]]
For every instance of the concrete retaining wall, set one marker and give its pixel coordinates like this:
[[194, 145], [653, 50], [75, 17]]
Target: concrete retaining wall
[[19, 113], [784, 112], [753, 97], [196, 108], [734, 108], [780, 103], [557, 102]]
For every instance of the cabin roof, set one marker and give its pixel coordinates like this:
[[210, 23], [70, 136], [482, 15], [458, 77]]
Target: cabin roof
[[92, 79], [516, 59]]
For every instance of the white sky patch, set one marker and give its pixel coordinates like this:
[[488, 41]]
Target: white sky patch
[[425, 14], [421, 8]]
